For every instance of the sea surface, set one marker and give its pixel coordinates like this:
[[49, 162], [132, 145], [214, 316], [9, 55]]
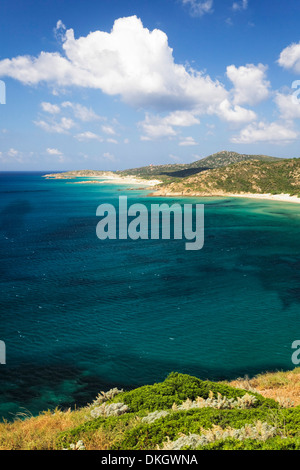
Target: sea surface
[[80, 315]]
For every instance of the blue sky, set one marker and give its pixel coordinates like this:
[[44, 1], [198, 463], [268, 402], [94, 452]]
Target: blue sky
[[115, 84]]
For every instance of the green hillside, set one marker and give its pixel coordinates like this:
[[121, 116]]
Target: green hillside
[[216, 160], [252, 176]]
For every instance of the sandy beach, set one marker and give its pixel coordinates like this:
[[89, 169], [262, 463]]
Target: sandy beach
[[120, 180], [270, 197]]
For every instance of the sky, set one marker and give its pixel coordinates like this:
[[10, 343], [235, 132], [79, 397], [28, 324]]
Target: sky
[[116, 84]]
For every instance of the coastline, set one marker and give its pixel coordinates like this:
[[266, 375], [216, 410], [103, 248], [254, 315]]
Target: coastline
[[120, 180], [269, 197], [102, 178]]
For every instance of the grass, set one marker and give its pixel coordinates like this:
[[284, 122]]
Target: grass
[[40, 432], [281, 386]]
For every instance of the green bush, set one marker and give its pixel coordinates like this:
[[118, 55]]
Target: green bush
[[149, 436], [177, 388], [133, 434], [275, 443]]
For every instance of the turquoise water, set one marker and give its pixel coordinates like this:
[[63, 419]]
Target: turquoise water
[[80, 315]]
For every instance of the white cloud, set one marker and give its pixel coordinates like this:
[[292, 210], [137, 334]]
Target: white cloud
[[56, 153], [188, 141], [108, 130], [138, 65], [61, 127], [274, 132], [130, 61], [241, 5], [250, 84], [59, 30], [157, 127], [288, 105], [52, 151], [181, 119], [290, 58], [235, 114], [50, 108], [82, 112], [199, 8], [86, 136]]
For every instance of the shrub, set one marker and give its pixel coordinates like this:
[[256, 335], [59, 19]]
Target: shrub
[[179, 387]]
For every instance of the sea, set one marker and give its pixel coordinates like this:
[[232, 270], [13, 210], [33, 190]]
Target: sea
[[80, 315]]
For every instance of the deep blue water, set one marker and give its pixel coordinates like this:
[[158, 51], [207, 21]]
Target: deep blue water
[[80, 315]]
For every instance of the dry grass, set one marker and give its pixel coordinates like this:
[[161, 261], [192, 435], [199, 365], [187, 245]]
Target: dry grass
[[38, 433], [281, 386]]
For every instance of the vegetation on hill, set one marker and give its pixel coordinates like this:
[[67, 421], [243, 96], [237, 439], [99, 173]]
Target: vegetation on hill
[[183, 412], [252, 176], [217, 160]]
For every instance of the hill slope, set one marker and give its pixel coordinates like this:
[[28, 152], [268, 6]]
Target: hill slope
[[252, 176], [217, 160]]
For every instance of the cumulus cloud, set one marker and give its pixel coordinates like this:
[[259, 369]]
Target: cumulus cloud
[[155, 127], [250, 84], [199, 8], [290, 58], [288, 106], [130, 61], [235, 114], [275, 132], [137, 65]]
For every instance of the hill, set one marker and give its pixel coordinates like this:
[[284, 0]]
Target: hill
[[169, 172], [182, 412], [246, 177], [217, 160]]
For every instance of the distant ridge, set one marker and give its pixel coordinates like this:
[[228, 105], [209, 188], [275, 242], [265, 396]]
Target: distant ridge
[[216, 160]]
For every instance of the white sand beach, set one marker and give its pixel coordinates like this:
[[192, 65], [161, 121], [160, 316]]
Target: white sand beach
[[271, 197], [120, 180]]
